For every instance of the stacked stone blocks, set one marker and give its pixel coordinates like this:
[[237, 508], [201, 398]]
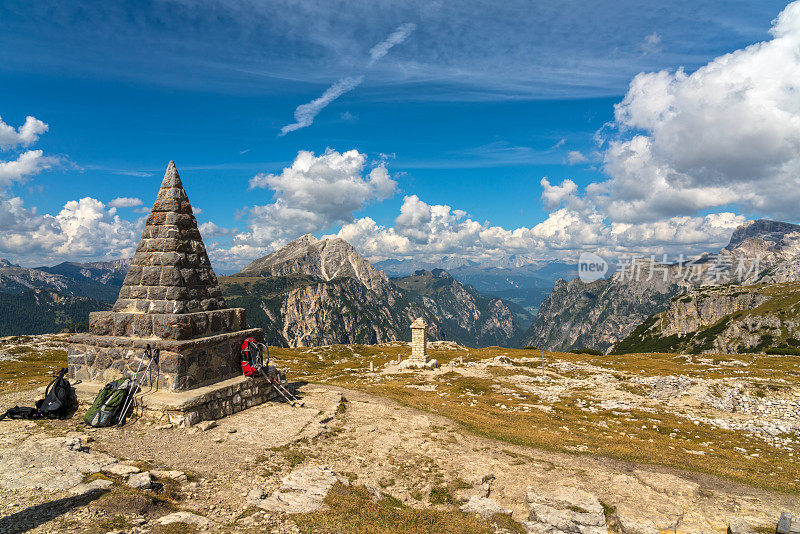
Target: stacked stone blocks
[[419, 348], [170, 300]]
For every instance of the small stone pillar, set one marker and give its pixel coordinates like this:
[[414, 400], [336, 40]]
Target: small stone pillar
[[419, 340], [419, 347]]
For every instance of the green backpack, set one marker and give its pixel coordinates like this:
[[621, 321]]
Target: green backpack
[[106, 408]]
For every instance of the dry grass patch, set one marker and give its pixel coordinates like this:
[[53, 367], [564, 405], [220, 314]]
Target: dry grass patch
[[351, 510]]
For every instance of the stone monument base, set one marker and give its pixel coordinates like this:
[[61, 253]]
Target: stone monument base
[[187, 408], [414, 363], [183, 364]]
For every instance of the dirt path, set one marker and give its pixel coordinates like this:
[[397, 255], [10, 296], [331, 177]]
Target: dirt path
[[392, 449]]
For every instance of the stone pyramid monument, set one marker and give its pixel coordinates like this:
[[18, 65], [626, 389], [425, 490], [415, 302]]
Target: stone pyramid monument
[[170, 300], [170, 272]]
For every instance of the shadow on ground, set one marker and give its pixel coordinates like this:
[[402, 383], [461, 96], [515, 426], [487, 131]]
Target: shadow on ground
[[39, 514]]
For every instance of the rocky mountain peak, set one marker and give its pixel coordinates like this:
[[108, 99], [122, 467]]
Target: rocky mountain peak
[[761, 235], [326, 259]]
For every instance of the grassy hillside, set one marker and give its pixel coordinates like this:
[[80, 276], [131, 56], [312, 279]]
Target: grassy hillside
[[772, 326]]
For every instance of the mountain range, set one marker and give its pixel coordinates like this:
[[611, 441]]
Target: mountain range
[[316, 292], [50, 299], [600, 314]]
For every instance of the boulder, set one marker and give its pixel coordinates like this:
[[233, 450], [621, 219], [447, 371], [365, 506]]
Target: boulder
[[564, 510], [484, 506], [140, 480], [737, 525], [302, 490]]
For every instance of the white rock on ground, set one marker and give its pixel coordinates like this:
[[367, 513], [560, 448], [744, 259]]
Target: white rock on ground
[[737, 525], [50, 464], [140, 480], [184, 517], [120, 469], [629, 525], [564, 510], [483, 506], [303, 490]]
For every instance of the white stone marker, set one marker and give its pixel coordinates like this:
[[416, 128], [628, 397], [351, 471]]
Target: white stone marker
[[419, 347]]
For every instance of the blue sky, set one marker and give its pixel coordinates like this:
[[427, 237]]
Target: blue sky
[[466, 105]]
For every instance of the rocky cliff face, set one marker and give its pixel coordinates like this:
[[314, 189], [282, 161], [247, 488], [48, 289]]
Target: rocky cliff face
[[314, 292], [725, 319], [600, 314]]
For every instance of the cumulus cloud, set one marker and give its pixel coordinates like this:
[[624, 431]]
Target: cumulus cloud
[[210, 230], [305, 114], [423, 231], [726, 135], [125, 202], [27, 164], [313, 194], [25, 135], [555, 195], [576, 156], [84, 228]]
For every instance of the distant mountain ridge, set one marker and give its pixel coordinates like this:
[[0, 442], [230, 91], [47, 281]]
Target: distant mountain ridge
[[313, 292], [48, 299], [600, 314]]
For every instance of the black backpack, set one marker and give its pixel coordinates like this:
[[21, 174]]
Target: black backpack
[[57, 401], [57, 398]]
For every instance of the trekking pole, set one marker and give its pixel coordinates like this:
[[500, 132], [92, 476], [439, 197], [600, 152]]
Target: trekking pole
[[284, 391], [281, 393], [276, 383], [147, 354], [137, 383]]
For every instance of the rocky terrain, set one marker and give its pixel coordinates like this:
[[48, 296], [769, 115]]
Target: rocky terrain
[[599, 314], [317, 292], [489, 443], [724, 319]]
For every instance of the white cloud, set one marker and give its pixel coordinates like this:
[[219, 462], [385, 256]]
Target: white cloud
[[312, 195], [555, 195], [651, 44], [305, 113], [727, 134], [395, 38], [84, 228], [27, 164], [125, 202], [575, 156], [210, 230], [424, 231], [25, 135]]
